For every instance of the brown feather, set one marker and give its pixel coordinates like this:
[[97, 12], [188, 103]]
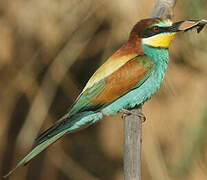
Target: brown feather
[[121, 81], [134, 43], [141, 25], [127, 52]]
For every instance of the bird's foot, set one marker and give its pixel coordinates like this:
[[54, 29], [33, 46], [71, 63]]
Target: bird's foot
[[127, 112]]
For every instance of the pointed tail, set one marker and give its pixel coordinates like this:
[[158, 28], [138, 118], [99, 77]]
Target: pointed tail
[[62, 127]]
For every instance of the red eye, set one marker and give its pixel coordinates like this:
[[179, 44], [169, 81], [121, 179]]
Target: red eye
[[156, 29]]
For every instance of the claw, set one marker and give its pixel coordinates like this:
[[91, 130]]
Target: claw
[[127, 112]]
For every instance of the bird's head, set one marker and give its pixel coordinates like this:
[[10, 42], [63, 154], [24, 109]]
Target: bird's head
[[155, 32]]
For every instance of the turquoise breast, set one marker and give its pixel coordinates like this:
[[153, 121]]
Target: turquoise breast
[[139, 95]]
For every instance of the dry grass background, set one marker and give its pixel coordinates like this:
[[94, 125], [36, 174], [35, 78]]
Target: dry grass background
[[49, 49]]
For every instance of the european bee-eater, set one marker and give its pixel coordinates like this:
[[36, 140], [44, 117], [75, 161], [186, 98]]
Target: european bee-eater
[[132, 75]]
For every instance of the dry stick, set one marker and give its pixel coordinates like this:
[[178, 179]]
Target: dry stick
[[132, 145], [132, 122], [164, 9]]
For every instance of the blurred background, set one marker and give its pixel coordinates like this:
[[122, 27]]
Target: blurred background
[[48, 51]]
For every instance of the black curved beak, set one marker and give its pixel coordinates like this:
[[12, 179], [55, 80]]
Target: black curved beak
[[188, 25]]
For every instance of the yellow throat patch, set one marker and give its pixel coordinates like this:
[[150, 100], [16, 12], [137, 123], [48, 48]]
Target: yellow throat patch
[[159, 40]]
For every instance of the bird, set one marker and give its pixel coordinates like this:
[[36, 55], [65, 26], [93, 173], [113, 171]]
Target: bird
[[131, 76]]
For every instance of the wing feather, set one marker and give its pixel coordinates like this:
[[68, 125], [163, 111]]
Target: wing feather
[[130, 75]]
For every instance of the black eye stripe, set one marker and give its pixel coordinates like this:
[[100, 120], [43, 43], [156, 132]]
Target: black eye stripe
[[150, 31]]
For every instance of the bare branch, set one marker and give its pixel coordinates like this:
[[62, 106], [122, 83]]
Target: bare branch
[[132, 145], [164, 9]]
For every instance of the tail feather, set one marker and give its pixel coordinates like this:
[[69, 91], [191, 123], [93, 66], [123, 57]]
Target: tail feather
[[54, 133], [39, 148], [53, 130]]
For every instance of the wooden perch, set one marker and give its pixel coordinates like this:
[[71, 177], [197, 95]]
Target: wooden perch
[[132, 145], [132, 122], [164, 9]]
